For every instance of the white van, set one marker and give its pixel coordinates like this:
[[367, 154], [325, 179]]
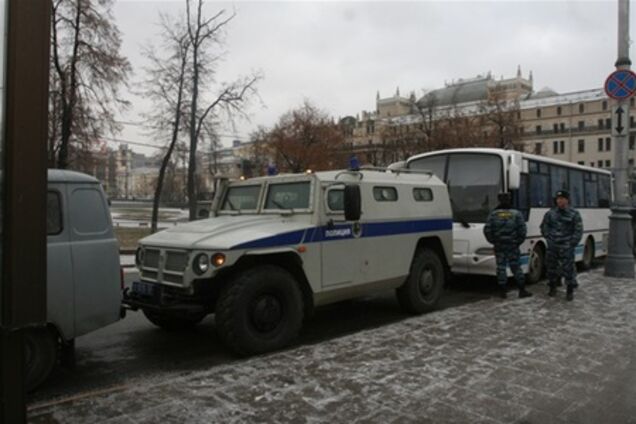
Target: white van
[[84, 280]]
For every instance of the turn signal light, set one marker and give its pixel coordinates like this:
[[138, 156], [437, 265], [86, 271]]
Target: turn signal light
[[218, 259]]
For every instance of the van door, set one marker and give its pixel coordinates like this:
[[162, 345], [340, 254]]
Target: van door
[[95, 251], [59, 266]]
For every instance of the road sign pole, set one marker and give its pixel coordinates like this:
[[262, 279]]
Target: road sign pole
[[620, 258]]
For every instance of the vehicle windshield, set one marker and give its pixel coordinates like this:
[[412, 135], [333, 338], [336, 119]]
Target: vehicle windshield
[[473, 179], [288, 196], [239, 198]]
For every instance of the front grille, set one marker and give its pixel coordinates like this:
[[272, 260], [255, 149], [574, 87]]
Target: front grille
[[176, 261], [164, 266], [151, 258]]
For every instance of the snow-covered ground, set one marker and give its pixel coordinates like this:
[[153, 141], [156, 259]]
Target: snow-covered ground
[[537, 360]]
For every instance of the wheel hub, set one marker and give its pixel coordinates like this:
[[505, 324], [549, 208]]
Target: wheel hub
[[426, 281], [267, 313]]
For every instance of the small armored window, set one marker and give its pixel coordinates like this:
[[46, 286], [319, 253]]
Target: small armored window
[[422, 194], [335, 199], [385, 194]]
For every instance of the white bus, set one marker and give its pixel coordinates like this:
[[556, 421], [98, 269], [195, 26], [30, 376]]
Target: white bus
[[476, 175]]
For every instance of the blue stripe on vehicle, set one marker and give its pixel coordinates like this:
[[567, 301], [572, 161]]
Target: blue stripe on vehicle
[[345, 231], [525, 259]]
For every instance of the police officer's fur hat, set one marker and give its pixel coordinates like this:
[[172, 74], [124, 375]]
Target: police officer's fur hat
[[562, 193]]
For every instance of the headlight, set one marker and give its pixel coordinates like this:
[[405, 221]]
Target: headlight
[[139, 256], [201, 263]]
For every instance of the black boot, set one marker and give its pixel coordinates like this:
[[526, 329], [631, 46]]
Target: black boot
[[570, 293], [503, 293], [524, 293], [553, 290]]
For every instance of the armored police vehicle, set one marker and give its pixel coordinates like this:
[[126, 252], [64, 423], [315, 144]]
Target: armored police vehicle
[[278, 246]]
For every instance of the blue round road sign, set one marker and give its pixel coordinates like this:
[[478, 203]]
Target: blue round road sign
[[621, 84]]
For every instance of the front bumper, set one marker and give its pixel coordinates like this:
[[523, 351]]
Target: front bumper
[[161, 298]]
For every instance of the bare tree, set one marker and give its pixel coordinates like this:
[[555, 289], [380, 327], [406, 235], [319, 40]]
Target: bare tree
[[87, 74], [306, 138], [166, 87], [204, 34], [502, 115]]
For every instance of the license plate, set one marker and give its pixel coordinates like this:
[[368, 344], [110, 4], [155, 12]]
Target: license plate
[[143, 289]]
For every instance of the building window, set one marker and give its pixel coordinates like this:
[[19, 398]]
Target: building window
[[592, 164], [558, 110], [631, 101], [562, 126], [581, 146], [562, 146], [538, 113], [538, 129], [608, 163], [556, 128], [600, 163], [600, 144], [555, 147], [581, 125], [538, 147], [632, 143], [608, 123], [581, 162], [581, 108], [630, 162], [631, 122], [600, 124], [604, 104], [608, 144]]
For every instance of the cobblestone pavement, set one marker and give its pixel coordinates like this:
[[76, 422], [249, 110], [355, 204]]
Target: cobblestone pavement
[[536, 360]]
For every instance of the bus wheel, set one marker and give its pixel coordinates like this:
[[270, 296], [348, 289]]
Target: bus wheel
[[536, 264], [588, 254], [40, 356], [423, 287], [260, 310]]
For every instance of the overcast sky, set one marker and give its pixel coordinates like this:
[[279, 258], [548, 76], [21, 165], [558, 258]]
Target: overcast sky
[[339, 54]]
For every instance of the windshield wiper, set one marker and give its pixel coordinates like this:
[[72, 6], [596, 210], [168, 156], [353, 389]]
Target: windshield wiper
[[281, 206]]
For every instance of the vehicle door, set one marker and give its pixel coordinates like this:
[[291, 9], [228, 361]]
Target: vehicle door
[[59, 266], [338, 241], [95, 251]]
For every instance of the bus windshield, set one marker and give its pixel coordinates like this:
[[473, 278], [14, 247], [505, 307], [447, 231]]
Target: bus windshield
[[473, 179]]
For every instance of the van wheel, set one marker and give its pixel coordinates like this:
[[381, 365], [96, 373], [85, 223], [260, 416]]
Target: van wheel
[[423, 288], [173, 322], [40, 356], [536, 265], [260, 310], [588, 255]]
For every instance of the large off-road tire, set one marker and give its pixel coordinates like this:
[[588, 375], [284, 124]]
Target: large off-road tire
[[173, 322], [40, 355], [423, 287], [260, 310], [536, 264], [588, 255]]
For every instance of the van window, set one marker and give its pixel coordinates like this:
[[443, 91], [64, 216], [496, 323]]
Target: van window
[[422, 194], [53, 213], [335, 199], [89, 212], [385, 194]]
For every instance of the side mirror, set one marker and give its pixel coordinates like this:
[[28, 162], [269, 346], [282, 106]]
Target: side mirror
[[514, 172], [352, 202]]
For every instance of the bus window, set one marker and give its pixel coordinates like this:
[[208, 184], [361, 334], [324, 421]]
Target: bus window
[[558, 179], [591, 190], [540, 196], [604, 191], [576, 188], [521, 198], [474, 181], [436, 164]]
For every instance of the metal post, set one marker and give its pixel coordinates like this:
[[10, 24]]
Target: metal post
[[620, 258]]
